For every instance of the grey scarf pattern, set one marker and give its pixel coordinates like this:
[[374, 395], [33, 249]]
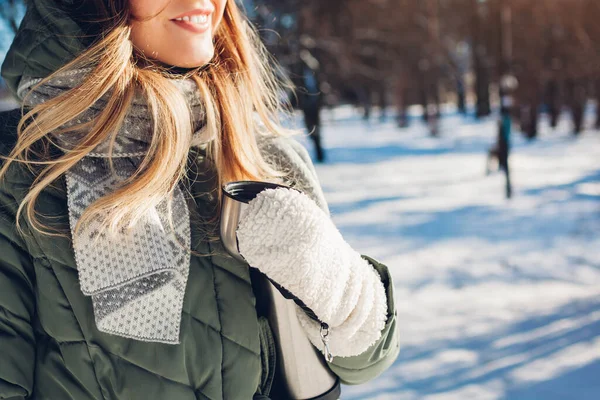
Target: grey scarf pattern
[[136, 280]]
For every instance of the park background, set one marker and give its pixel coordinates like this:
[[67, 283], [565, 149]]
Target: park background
[[416, 102]]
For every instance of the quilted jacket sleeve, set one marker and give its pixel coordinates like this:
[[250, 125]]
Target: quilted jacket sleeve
[[381, 355], [17, 306]]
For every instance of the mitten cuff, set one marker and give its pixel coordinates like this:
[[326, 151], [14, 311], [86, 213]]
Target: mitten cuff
[[363, 326]]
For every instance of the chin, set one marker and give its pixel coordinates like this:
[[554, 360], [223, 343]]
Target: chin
[[194, 59]]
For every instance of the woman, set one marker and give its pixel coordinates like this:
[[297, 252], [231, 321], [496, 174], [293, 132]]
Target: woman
[[113, 282]]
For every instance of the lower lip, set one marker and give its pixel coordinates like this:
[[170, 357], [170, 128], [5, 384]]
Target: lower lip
[[196, 28]]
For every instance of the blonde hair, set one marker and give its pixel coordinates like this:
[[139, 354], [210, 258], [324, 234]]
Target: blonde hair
[[240, 72]]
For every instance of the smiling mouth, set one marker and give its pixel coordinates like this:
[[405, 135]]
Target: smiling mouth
[[197, 23]]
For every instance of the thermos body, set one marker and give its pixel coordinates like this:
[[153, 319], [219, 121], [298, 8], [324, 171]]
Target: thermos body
[[301, 368]]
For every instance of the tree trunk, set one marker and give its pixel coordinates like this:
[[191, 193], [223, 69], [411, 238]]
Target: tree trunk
[[424, 96], [402, 104], [576, 103], [529, 121], [553, 103], [460, 92], [382, 101], [577, 110], [482, 78], [598, 104]]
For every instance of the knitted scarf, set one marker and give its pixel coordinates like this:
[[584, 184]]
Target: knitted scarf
[[137, 279]]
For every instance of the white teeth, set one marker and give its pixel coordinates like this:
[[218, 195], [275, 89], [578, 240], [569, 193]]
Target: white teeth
[[194, 19]]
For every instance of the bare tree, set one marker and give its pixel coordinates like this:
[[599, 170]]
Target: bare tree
[[411, 48]]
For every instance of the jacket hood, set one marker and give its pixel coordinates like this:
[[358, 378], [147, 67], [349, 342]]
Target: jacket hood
[[47, 39]]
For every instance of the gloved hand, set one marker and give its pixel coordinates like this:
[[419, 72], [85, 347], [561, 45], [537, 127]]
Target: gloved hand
[[285, 235]]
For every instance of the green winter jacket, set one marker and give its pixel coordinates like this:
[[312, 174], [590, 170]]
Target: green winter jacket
[[50, 348]]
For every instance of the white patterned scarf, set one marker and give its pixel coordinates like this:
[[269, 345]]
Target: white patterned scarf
[[137, 279]]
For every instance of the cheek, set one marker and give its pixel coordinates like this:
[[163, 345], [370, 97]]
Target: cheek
[[146, 9], [145, 23], [142, 38]]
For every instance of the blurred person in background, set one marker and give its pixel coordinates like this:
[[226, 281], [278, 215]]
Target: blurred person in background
[[114, 283]]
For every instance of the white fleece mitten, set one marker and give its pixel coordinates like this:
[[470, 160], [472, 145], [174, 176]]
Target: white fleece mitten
[[285, 235]]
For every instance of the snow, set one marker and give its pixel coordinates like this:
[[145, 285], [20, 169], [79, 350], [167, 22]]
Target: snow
[[496, 298], [7, 104]]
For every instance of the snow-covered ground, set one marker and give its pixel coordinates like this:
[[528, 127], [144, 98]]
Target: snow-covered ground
[[7, 104], [496, 299]]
